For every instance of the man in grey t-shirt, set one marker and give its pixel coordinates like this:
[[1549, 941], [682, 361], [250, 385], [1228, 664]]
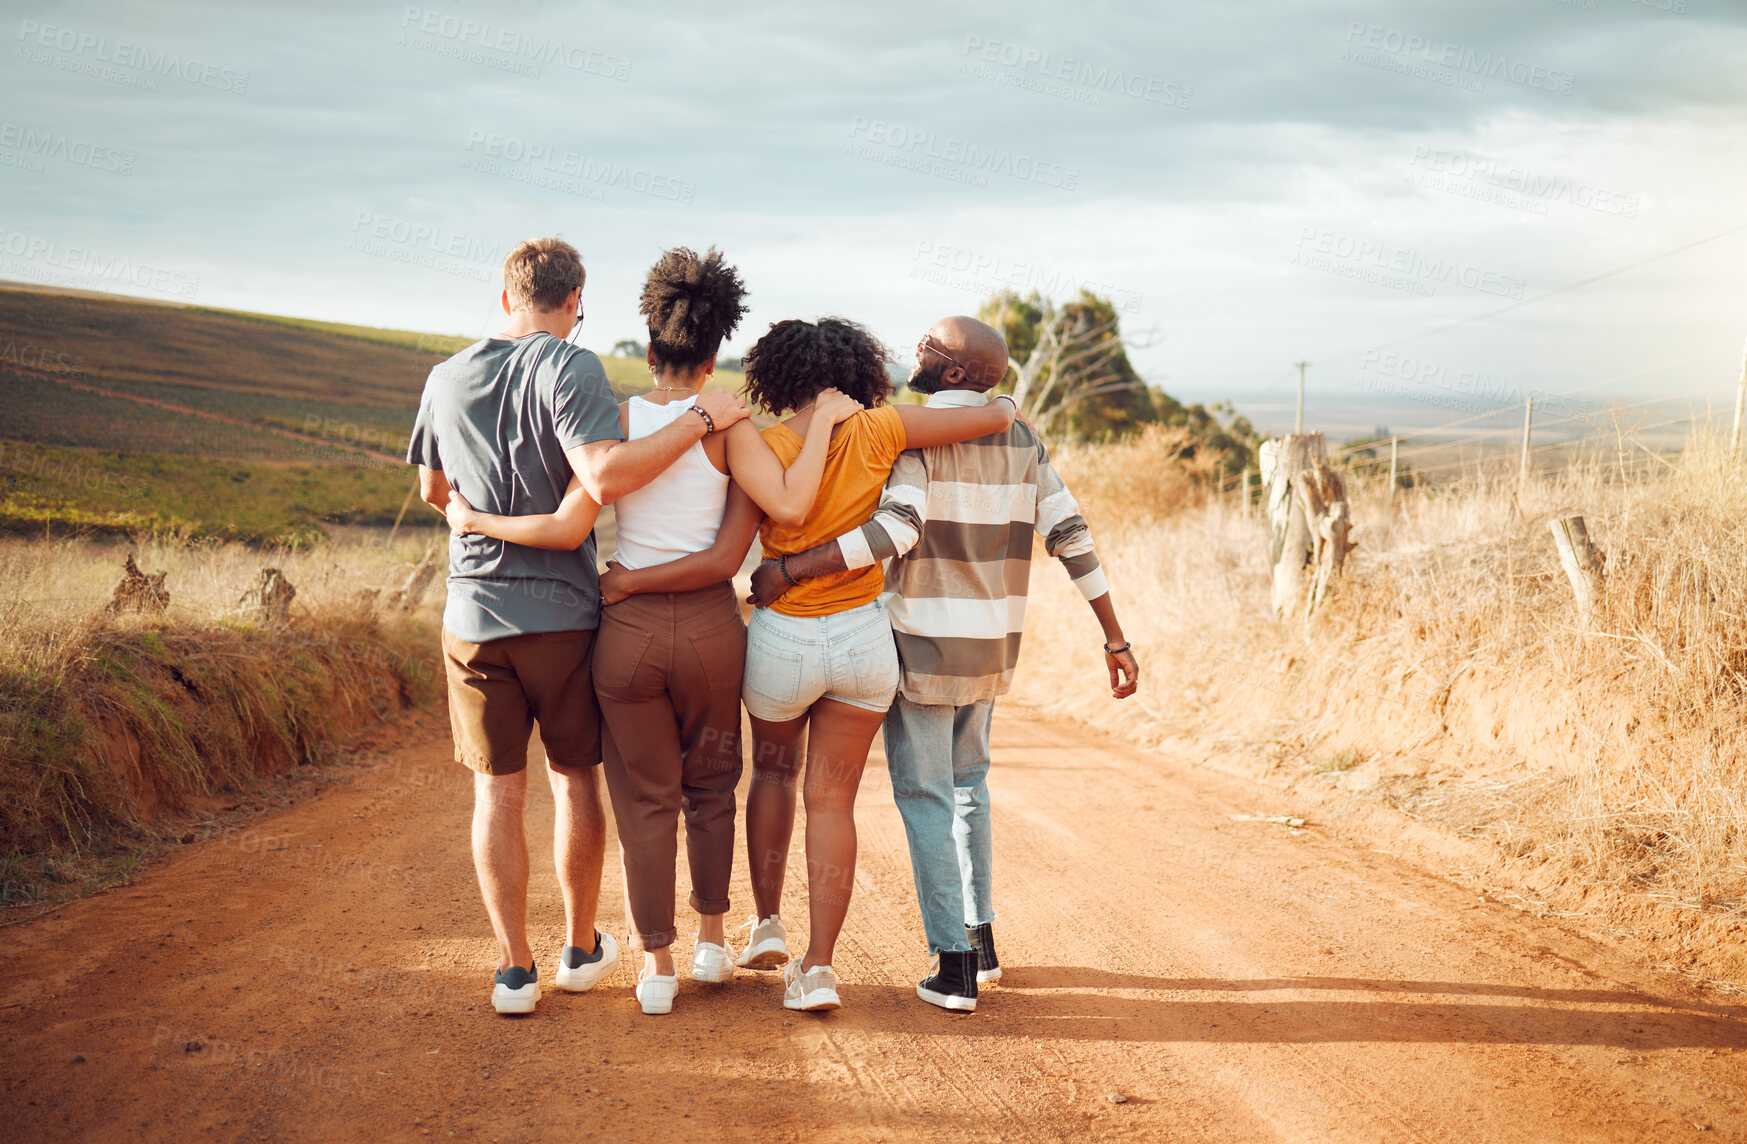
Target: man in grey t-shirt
[[508, 422]]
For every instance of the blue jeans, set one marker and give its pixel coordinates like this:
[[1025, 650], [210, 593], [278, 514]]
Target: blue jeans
[[939, 761]]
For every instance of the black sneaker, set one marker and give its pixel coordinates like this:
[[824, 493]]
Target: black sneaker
[[982, 939], [515, 990], [953, 984]]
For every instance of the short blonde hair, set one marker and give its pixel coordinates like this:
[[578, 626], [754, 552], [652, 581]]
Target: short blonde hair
[[541, 272]]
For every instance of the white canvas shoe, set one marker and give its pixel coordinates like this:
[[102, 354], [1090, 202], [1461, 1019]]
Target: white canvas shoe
[[768, 945], [712, 962], [655, 992]]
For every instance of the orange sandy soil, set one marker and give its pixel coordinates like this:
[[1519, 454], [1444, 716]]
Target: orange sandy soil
[[321, 973]]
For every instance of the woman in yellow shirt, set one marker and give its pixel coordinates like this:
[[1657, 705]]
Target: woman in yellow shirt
[[821, 665]]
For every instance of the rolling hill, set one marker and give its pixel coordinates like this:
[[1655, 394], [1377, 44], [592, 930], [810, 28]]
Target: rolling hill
[[119, 415]]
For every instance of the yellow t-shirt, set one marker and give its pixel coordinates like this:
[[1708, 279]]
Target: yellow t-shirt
[[856, 467]]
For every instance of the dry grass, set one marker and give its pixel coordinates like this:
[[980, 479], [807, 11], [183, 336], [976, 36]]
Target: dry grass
[[1450, 676], [109, 723]]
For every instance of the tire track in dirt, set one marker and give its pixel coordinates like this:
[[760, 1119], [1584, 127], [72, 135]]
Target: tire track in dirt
[[322, 974]]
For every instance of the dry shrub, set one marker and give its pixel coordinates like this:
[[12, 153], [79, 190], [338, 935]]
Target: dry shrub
[[107, 722], [1145, 477], [1451, 661]]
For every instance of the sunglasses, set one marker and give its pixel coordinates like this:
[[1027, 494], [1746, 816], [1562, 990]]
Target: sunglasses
[[928, 345]]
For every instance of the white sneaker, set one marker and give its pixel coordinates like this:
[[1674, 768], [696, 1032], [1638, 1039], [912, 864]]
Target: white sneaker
[[768, 945], [578, 971], [515, 990], [655, 992], [813, 989], [712, 962]]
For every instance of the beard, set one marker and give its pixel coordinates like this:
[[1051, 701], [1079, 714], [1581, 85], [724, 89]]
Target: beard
[[926, 378]]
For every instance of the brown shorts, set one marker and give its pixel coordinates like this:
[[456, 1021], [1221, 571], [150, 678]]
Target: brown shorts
[[499, 689]]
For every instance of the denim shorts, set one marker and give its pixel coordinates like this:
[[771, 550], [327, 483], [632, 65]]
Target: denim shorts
[[793, 661]]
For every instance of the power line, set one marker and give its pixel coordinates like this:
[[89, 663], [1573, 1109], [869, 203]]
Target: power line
[[1508, 408], [1594, 278]]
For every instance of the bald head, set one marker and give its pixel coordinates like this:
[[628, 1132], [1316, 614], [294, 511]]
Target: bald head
[[959, 353]]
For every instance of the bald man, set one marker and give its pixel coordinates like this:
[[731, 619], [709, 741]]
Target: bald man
[[956, 522]]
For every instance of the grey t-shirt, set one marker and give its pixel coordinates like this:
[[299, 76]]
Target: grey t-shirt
[[496, 419]]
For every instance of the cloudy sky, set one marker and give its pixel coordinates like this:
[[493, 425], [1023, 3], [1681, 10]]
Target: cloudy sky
[[1389, 190]]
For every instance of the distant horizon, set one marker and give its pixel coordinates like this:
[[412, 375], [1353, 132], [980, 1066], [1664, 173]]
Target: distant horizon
[[1481, 408]]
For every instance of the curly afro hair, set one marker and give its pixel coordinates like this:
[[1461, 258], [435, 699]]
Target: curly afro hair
[[787, 367], [691, 304]]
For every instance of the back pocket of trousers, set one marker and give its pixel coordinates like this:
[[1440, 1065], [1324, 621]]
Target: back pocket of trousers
[[721, 653], [772, 673], [618, 653], [875, 666]]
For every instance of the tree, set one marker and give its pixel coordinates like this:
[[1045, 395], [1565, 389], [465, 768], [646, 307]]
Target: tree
[[629, 347], [1072, 374]]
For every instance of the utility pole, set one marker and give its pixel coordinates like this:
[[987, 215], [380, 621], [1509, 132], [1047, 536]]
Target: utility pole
[[1522, 480], [1299, 424]]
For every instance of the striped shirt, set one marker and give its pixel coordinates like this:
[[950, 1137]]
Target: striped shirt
[[956, 521]]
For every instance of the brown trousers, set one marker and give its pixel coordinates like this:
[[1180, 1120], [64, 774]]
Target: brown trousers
[[667, 670]]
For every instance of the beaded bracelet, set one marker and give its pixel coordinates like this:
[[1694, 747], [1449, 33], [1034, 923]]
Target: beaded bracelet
[[782, 566], [1108, 650], [709, 422]]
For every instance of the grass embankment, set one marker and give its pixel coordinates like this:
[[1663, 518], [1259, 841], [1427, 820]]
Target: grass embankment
[[114, 728], [1598, 773]]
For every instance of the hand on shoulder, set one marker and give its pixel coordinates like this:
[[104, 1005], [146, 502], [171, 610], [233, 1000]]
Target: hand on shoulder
[[836, 406], [724, 408]]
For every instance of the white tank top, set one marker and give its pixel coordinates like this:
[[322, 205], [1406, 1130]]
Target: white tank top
[[677, 513]]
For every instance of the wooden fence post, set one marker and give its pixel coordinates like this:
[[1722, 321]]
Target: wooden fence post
[[1393, 442], [1582, 563], [1308, 520], [1522, 480]]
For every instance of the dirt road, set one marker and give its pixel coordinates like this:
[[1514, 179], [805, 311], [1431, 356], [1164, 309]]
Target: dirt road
[[322, 974]]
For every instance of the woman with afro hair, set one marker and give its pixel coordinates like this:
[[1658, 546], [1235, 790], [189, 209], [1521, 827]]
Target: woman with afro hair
[[671, 648], [821, 664]]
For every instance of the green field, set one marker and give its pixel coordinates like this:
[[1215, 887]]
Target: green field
[[210, 422]]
